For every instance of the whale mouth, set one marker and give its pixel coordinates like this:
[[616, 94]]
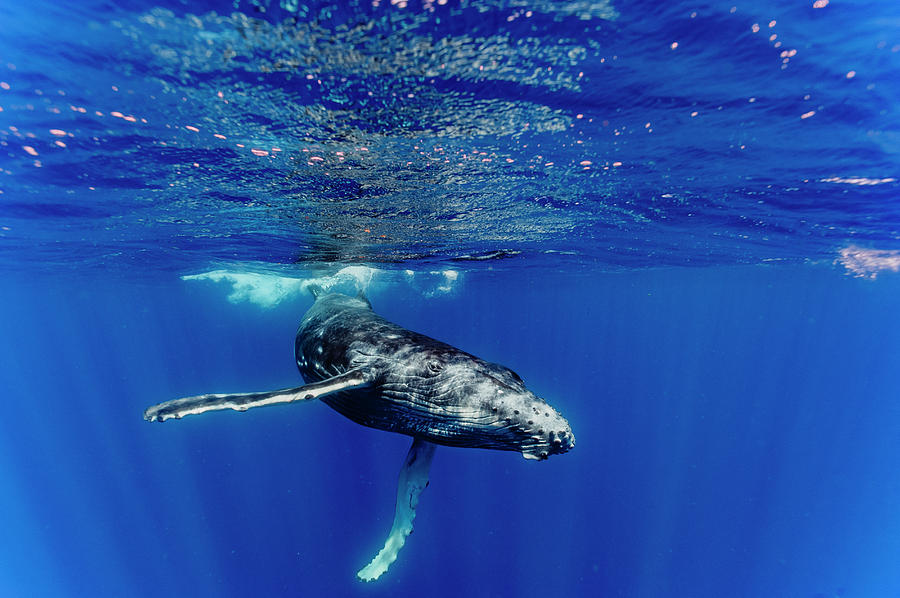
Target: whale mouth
[[555, 443]]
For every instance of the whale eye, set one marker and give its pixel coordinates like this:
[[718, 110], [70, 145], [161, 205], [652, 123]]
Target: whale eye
[[435, 366]]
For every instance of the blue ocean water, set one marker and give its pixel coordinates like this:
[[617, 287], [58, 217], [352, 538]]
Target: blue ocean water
[[677, 222]]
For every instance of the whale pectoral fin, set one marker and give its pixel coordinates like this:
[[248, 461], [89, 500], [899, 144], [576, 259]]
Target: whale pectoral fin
[[413, 480], [177, 408]]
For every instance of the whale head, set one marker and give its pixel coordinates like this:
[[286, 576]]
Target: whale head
[[526, 422], [462, 400]]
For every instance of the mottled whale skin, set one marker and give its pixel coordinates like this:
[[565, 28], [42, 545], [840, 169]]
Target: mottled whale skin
[[422, 387], [387, 377]]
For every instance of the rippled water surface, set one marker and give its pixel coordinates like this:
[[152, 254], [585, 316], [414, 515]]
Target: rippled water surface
[[612, 135]]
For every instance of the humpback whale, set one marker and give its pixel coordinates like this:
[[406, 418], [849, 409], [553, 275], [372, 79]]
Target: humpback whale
[[384, 376]]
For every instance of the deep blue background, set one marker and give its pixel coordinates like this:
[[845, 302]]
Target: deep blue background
[[737, 436], [652, 209]]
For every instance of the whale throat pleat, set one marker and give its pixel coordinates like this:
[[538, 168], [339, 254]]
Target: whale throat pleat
[[178, 408], [413, 480]]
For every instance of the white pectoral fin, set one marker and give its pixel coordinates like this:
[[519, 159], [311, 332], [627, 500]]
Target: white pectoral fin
[[413, 480], [355, 378]]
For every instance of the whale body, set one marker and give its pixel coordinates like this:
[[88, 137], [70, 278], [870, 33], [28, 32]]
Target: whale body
[[384, 376]]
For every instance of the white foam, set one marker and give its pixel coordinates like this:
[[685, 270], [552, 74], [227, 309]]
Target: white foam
[[435, 282], [267, 289], [867, 263], [858, 180]]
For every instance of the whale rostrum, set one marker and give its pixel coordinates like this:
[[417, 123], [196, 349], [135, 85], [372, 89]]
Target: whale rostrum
[[384, 376]]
